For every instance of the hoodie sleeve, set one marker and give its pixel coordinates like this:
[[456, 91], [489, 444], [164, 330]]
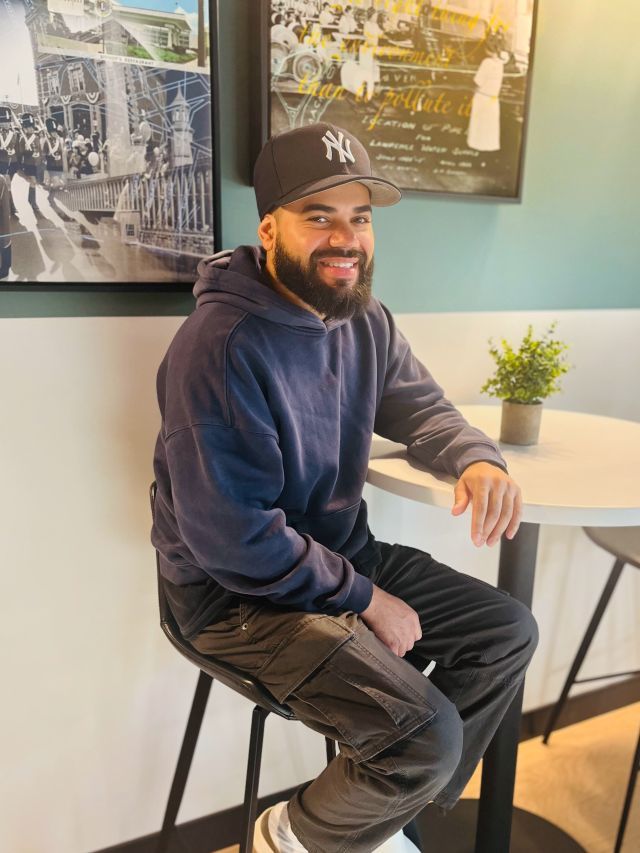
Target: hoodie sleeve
[[226, 474], [414, 411], [224, 482]]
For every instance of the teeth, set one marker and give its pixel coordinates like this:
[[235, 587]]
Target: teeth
[[342, 266]]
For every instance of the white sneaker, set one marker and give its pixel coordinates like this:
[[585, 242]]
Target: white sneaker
[[273, 833], [398, 843]]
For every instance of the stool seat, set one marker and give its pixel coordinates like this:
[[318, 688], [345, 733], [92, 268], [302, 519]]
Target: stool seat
[[622, 542], [223, 672]]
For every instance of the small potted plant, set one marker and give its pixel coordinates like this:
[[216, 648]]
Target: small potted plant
[[522, 380]]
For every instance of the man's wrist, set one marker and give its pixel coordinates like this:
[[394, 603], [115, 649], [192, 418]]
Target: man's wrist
[[488, 462], [360, 594]]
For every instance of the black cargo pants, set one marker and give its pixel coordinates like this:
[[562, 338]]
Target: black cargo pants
[[404, 739]]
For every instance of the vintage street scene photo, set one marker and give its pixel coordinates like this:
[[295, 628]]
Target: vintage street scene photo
[[106, 159], [436, 91]]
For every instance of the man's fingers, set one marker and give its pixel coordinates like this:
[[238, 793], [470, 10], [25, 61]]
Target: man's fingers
[[494, 508], [461, 501], [497, 507], [480, 503], [512, 529], [505, 516], [417, 632]]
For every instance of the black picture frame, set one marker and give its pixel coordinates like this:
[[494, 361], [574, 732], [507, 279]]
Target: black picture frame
[[503, 182], [183, 186]]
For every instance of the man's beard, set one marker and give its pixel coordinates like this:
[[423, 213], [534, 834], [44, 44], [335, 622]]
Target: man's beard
[[342, 301]]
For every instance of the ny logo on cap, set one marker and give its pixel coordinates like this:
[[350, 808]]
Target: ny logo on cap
[[344, 150]]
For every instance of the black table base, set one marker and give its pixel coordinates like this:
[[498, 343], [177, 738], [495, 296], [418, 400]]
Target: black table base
[[516, 572], [491, 824], [455, 832]]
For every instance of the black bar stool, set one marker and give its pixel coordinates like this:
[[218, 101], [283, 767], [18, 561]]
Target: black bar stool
[[624, 544], [248, 687], [635, 769]]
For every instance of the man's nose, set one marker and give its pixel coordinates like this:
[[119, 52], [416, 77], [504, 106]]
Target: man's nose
[[343, 235]]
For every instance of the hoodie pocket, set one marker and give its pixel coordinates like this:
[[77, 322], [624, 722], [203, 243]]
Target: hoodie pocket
[[331, 529]]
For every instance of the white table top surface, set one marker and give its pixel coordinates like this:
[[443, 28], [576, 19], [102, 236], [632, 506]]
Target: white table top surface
[[585, 469]]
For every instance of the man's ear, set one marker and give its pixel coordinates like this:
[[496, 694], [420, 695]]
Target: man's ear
[[267, 231]]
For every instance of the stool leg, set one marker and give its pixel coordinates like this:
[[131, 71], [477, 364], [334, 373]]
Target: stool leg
[[635, 769], [584, 646], [411, 832], [331, 749], [189, 741], [253, 778]]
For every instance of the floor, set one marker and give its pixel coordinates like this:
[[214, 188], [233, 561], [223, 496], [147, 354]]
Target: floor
[[578, 780]]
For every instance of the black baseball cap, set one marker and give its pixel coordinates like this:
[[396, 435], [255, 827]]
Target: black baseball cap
[[312, 158]]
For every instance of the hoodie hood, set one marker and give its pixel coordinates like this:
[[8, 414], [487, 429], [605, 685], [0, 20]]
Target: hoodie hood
[[238, 278]]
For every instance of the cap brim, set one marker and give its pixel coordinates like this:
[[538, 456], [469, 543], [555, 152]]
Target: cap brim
[[383, 192]]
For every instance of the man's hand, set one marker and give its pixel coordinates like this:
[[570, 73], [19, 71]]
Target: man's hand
[[392, 621], [496, 499]]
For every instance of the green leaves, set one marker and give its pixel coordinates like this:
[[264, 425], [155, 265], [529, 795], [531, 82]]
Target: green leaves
[[530, 374]]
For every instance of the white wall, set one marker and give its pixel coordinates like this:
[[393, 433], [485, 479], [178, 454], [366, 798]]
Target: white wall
[[94, 698]]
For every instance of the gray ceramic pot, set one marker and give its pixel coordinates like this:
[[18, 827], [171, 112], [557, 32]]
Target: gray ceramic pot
[[520, 423]]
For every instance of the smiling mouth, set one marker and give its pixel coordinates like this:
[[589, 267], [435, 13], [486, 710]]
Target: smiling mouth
[[340, 265]]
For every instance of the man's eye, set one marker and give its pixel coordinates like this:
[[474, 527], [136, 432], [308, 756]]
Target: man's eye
[[359, 220]]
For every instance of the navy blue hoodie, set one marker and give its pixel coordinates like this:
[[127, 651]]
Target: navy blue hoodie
[[267, 419]]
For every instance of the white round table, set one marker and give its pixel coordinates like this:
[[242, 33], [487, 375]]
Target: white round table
[[584, 471]]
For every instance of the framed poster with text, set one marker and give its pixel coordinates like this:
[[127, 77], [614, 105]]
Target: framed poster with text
[[436, 91], [109, 173]]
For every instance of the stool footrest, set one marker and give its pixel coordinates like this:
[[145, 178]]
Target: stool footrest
[[604, 677]]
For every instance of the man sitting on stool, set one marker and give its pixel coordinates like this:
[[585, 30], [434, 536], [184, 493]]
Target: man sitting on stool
[[269, 394]]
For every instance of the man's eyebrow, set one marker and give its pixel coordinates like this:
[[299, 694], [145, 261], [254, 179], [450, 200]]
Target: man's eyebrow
[[363, 208]]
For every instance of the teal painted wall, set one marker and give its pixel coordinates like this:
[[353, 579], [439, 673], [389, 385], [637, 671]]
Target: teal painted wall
[[571, 243]]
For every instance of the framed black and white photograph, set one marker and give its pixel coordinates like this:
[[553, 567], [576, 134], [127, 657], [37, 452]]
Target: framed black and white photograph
[[436, 91], [109, 160]]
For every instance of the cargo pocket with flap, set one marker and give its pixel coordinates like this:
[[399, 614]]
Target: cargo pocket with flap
[[364, 696]]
